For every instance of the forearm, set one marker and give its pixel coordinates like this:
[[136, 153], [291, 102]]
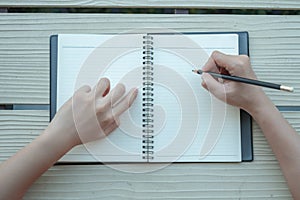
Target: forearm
[[21, 170], [284, 141]]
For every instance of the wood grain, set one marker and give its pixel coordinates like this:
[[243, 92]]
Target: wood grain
[[206, 4], [18, 128], [260, 179], [24, 46]]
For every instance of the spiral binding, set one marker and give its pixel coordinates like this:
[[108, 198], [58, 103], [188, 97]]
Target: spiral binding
[[147, 111]]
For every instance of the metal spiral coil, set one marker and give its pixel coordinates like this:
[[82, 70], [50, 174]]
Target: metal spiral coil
[[147, 111]]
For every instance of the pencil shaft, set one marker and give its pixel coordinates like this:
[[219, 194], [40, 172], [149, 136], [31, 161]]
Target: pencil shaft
[[248, 81]]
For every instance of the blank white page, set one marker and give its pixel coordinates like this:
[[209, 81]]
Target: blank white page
[[190, 124], [83, 60]]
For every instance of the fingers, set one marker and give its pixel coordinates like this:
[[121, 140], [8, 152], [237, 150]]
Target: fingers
[[101, 88], [90, 124], [115, 95], [221, 59], [227, 64], [218, 61], [109, 119], [213, 86], [224, 61], [125, 103], [112, 126], [210, 66], [107, 102]]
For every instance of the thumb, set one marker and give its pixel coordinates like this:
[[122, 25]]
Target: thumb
[[213, 86]]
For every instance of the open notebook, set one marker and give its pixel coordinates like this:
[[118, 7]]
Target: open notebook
[[173, 118]]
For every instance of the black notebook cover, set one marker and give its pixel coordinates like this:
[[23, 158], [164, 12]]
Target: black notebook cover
[[246, 120]]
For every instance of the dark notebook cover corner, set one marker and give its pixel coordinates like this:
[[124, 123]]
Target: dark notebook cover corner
[[246, 120], [246, 137], [243, 43], [53, 74]]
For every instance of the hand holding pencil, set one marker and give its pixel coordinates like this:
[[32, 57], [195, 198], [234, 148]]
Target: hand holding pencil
[[222, 76], [282, 138], [248, 81]]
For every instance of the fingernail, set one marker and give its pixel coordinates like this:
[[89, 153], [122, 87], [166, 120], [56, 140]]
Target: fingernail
[[103, 81]]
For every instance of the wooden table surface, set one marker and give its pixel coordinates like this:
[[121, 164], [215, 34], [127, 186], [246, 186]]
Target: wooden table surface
[[24, 79], [206, 4]]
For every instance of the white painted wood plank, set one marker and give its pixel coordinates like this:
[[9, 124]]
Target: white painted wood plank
[[185, 181], [260, 179], [206, 4], [18, 128], [24, 46]]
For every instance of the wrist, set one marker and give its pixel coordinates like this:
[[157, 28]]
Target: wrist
[[260, 105], [64, 127], [58, 136], [52, 145]]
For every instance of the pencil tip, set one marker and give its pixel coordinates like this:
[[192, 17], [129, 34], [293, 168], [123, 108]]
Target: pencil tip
[[197, 71]]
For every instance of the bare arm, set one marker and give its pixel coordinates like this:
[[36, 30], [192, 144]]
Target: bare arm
[[283, 139], [70, 127]]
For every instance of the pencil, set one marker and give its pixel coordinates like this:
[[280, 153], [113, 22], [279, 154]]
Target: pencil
[[248, 81]]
